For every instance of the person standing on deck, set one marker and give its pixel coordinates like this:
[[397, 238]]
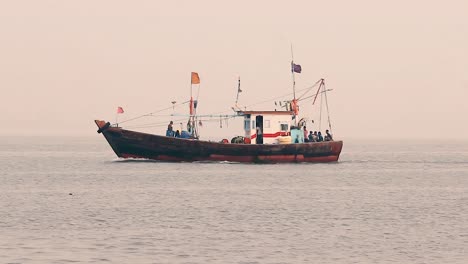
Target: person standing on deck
[[306, 135], [311, 137], [170, 131], [328, 136]]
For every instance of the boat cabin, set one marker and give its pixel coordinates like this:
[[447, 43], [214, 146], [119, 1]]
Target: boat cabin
[[270, 127]]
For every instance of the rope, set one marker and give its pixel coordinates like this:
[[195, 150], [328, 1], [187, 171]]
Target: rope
[[328, 111], [308, 90], [162, 124], [215, 118], [151, 114], [288, 94], [321, 104]]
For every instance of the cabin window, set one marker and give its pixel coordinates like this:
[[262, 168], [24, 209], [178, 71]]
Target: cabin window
[[284, 127], [247, 124], [253, 124], [266, 123]]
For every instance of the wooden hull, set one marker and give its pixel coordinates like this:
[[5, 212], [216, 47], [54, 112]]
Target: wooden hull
[[132, 144]]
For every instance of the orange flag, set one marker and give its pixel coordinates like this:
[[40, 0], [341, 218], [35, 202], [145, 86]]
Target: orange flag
[[195, 78], [120, 110]]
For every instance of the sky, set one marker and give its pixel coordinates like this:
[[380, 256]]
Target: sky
[[397, 69]]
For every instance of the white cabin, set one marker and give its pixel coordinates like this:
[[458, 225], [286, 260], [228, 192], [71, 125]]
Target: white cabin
[[267, 127]]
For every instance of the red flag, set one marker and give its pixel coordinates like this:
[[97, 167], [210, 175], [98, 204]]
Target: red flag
[[195, 78], [120, 110]]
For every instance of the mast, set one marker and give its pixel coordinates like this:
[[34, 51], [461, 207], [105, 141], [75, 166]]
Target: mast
[[191, 125], [292, 72], [294, 101]]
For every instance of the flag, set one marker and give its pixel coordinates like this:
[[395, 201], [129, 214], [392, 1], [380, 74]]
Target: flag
[[195, 78], [120, 110], [296, 67]]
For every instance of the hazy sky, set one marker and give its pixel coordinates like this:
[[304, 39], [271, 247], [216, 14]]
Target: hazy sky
[[397, 68]]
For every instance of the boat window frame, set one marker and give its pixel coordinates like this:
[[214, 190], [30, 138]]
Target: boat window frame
[[247, 125], [282, 127]]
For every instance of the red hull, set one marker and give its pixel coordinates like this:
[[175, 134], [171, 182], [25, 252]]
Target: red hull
[[132, 144]]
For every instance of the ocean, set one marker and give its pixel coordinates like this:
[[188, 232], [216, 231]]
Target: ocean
[[70, 200]]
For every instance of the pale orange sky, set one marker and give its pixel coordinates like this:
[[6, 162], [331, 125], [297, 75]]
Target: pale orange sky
[[397, 68]]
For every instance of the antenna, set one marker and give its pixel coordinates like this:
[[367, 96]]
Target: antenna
[[238, 90]]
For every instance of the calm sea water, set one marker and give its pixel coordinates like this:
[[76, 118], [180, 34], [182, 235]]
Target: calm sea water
[[70, 200]]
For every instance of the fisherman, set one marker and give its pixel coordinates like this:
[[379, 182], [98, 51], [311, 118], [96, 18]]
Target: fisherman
[[297, 139], [311, 136], [319, 137], [177, 134], [170, 131], [189, 127], [259, 139], [328, 136], [306, 139]]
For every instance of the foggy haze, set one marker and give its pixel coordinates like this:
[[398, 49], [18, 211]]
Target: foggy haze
[[398, 69]]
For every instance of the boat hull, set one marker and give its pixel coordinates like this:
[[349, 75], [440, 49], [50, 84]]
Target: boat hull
[[132, 144]]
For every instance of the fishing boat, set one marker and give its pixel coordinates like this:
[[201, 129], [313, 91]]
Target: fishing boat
[[268, 136]]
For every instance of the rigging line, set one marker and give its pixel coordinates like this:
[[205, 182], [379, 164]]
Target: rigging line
[[227, 111], [217, 113], [284, 95], [198, 92], [269, 100], [151, 114], [328, 111], [309, 97], [146, 126], [167, 108], [178, 120], [168, 115], [308, 89], [150, 125], [321, 103], [195, 119], [207, 115], [321, 83], [155, 123]]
